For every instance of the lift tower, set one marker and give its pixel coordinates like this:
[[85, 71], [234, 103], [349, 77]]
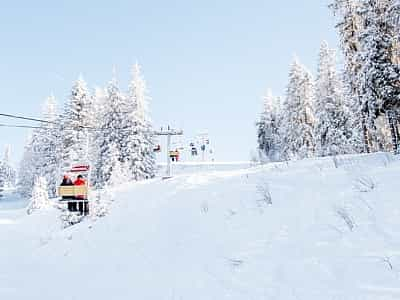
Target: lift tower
[[168, 133]]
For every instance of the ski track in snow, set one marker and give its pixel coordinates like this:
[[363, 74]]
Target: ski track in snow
[[208, 234]]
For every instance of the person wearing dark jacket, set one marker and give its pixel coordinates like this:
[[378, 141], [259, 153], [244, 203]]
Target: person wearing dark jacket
[[66, 182]]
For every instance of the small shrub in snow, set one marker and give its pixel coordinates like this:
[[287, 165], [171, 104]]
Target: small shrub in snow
[[265, 197], [364, 184], [387, 159], [335, 161], [70, 218], [204, 207], [388, 262], [101, 204], [345, 216], [236, 262], [39, 198]]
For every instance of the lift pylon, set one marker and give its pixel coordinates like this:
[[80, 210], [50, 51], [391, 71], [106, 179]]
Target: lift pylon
[[168, 133]]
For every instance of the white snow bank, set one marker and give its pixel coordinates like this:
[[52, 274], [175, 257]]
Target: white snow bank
[[330, 233]]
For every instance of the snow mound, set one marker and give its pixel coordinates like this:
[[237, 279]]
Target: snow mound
[[331, 232]]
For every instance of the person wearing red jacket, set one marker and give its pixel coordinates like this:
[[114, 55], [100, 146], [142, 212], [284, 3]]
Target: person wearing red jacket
[[79, 180], [83, 206]]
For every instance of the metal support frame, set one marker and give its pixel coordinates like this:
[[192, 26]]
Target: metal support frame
[[168, 133]]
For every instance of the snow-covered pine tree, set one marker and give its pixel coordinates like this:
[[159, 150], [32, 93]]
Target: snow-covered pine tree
[[7, 172], [296, 130], [349, 25], [49, 149], [76, 118], [39, 198], [141, 138], [27, 168], [380, 71], [7, 154], [2, 175], [112, 141], [111, 165], [119, 172], [331, 113], [96, 136], [268, 131]]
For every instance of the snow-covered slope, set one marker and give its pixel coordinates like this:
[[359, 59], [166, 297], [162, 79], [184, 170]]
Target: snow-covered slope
[[330, 233]]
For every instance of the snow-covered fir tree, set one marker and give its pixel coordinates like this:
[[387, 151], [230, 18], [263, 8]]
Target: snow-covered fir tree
[[112, 142], [119, 172], [7, 172], [42, 154], [49, 149], [141, 140], [268, 129], [77, 117], [96, 135], [126, 136], [39, 198], [110, 131], [7, 154], [297, 126], [27, 170], [349, 25], [380, 71], [331, 113]]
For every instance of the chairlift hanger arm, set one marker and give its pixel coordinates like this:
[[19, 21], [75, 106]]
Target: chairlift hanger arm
[[169, 132]]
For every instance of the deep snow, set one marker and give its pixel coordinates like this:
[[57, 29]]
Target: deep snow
[[330, 233]]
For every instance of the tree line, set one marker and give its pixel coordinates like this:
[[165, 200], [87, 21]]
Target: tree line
[[107, 128], [354, 110]]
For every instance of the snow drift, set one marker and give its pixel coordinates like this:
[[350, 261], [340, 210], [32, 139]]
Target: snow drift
[[313, 229]]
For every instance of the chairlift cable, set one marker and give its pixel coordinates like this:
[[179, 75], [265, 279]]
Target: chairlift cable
[[27, 118], [20, 126], [169, 132]]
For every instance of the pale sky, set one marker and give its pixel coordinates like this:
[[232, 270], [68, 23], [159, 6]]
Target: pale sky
[[207, 63]]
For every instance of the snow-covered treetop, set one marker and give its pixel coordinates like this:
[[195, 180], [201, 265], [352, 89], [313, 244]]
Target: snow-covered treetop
[[269, 101], [50, 109], [138, 94], [7, 154]]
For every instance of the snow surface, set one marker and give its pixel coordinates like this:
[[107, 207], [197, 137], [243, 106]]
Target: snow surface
[[330, 233], [10, 200]]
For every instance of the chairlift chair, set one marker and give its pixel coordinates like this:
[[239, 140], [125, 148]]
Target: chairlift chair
[[194, 151], [174, 155], [78, 194]]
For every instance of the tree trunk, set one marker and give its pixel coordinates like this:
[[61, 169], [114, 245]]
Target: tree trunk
[[367, 147], [393, 131]]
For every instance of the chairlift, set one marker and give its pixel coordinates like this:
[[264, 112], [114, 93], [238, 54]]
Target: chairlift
[[174, 155], [194, 151], [157, 148], [77, 196]]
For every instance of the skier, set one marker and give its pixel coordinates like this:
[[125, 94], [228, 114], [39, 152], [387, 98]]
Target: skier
[[83, 205]]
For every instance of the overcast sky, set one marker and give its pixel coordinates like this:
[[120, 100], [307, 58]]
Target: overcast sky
[[207, 63]]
